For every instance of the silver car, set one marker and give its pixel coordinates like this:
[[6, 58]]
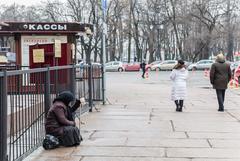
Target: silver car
[[114, 66], [165, 65], [200, 65]]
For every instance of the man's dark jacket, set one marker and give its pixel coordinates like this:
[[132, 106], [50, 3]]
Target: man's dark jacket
[[220, 74]]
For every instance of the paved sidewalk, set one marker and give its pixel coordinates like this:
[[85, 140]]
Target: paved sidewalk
[[140, 124]]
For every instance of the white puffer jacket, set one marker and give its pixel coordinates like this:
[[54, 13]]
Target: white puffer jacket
[[179, 88]]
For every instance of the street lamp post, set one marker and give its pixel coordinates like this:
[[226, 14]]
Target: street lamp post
[[104, 35], [87, 47]]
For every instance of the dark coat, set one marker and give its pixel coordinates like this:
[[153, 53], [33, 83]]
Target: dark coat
[[143, 65], [60, 119], [220, 75], [57, 118]]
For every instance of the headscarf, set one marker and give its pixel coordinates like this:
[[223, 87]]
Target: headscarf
[[66, 97]]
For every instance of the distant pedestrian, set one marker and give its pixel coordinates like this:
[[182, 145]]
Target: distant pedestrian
[[179, 76], [143, 67], [220, 75], [135, 58]]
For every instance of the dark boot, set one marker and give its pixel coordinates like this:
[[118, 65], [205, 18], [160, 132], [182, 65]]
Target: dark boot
[[181, 105], [177, 105]]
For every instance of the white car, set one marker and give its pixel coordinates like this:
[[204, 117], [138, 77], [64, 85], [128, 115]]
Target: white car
[[200, 65], [114, 66], [165, 65], [234, 65]]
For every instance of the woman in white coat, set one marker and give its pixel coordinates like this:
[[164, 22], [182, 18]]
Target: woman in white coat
[[179, 76]]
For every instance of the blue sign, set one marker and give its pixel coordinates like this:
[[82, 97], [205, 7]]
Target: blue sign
[[104, 6]]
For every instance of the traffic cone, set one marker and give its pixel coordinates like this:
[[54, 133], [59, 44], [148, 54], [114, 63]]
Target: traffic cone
[[193, 71], [236, 82], [146, 75], [206, 73], [233, 84]]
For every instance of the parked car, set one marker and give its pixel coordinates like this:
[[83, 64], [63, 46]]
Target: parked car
[[234, 65], [134, 66], [236, 72], [187, 63], [165, 65], [201, 65], [149, 66], [114, 66]]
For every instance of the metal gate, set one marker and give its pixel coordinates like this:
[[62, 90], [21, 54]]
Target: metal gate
[[26, 96]]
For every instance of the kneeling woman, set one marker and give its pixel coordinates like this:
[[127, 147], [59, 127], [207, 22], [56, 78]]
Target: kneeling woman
[[60, 120]]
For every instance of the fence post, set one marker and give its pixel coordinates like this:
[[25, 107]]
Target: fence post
[[73, 80], [3, 117], [90, 99], [103, 84], [47, 94]]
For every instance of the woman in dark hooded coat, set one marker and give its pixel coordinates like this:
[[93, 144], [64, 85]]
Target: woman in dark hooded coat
[[60, 120]]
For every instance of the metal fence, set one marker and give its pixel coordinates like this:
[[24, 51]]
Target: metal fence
[[26, 96]]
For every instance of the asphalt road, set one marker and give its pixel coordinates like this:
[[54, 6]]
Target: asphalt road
[[195, 79]]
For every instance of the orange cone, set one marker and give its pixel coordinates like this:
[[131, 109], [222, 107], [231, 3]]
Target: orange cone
[[206, 73], [233, 83], [146, 75], [193, 71]]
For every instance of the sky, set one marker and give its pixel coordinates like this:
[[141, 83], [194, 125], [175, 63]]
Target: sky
[[23, 2]]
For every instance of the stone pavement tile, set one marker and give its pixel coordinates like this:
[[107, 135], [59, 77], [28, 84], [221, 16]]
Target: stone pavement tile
[[59, 152], [235, 114], [72, 158], [215, 159], [126, 113], [196, 126], [139, 134], [130, 104], [41, 158], [166, 109], [120, 117], [132, 159], [216, 143], [174, 143], [125, 109], [118, 152], [213, 135], [112, 106], [86, 134], [126, 125], [191, 116], [37, 158], [209, 153], [104, 142]]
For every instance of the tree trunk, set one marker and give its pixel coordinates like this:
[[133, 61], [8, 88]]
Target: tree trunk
[[120, 39], [151, 47]]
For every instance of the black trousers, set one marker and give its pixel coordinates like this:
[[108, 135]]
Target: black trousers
[[221, 98], [144, 71]]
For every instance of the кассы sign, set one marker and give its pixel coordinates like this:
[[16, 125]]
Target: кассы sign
[[45, 27]]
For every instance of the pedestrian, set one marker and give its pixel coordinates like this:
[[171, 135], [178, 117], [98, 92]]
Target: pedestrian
[[220, 75], [179, 76], [60, 119], [143, 67]]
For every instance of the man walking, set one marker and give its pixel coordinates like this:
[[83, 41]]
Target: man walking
[[143, 66], [220, 75]]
